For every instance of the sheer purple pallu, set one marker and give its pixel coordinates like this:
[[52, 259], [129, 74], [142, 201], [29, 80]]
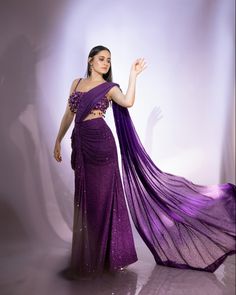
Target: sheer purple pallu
[[184, 225]]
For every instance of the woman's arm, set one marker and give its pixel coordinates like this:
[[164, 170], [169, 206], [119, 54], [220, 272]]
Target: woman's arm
[[64, 126], [65, 123], [128, 99]]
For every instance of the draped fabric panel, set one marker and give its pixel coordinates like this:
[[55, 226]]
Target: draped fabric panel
[[185, 225]]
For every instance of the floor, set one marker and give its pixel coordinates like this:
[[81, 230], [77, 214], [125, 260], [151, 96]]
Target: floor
[[41, 272]]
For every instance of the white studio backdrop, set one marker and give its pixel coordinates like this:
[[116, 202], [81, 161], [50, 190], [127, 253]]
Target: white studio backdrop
[[186, 94]]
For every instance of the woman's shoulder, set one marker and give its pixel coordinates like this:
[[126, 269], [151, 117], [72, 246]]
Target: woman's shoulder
[[74, 84], [76, 81], [112, 89], [114, 84]]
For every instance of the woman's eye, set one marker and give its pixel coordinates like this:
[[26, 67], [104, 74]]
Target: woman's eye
[[101, 59]]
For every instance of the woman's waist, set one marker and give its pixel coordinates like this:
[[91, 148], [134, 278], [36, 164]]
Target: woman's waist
[[91, 131], [90, 121], [93, 125]]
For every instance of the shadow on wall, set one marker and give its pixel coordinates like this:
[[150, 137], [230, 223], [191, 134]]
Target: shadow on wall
[[153, 118], [21, 187], [228, 148]]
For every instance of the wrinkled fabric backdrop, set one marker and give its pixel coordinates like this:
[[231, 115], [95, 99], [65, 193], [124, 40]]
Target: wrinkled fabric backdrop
[[183, 113]]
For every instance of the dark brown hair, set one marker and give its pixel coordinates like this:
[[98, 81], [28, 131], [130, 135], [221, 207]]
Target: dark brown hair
[[94, 51]]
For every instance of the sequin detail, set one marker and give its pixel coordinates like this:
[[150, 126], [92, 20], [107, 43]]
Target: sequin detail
[[76, 97]]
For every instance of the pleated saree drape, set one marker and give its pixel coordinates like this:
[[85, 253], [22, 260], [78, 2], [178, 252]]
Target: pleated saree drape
[[102, 235]]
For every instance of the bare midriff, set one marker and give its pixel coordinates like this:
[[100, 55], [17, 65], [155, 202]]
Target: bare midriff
[[94, 114]]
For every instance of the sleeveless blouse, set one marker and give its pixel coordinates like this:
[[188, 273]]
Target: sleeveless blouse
[[76, 96]]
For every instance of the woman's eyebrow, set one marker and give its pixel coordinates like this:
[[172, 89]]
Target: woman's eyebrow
[[104, 56]]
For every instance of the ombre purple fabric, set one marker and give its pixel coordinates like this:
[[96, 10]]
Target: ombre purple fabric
[[184, 225], [102, 234]]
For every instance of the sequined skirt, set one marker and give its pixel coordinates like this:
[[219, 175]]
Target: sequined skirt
[[102, 234]]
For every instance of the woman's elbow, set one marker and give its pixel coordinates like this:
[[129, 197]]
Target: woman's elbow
[[69, 116], [129, 105]]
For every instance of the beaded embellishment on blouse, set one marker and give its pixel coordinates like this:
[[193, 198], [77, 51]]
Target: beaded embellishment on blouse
[[75, 98]]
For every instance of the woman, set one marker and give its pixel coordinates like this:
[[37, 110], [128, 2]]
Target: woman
[[185, 225]]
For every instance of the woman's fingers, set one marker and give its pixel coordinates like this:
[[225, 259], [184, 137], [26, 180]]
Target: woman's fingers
[[141, 62], [140, 65], [57, 155], [58, 158]]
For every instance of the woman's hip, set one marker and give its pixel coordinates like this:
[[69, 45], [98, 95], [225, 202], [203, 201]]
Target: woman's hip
[[96, 141]]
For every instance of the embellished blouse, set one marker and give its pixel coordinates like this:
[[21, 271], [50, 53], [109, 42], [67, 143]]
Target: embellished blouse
[[76, 97]]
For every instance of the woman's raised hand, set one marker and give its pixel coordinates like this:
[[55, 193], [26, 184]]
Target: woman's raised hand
[[138, 66], [57, 151]]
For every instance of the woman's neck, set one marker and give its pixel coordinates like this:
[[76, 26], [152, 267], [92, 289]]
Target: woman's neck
[[95, 78]]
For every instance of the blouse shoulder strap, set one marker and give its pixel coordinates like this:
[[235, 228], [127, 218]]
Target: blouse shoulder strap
[[77, 84]]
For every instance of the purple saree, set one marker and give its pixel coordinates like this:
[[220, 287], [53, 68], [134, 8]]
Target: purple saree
[[184, 225], [102, 235]]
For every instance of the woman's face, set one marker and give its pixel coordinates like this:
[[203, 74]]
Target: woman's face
[[101, 62]]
